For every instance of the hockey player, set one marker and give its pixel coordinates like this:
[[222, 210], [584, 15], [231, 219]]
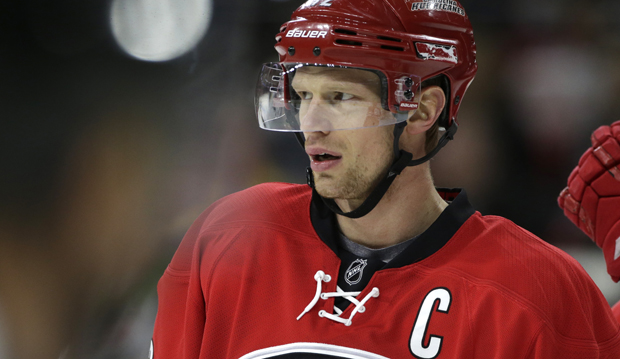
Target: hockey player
[[370, 260], [592, 198]]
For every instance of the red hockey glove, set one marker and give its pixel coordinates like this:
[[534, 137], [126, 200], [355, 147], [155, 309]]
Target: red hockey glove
[[592, 199]]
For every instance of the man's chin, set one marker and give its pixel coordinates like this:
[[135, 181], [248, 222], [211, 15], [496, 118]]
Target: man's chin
[[328, 188], [326, 191]]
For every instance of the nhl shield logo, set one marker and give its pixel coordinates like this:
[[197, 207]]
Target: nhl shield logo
[[354, 273]]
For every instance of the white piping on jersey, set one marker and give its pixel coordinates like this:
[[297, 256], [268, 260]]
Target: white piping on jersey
[[332, 351], [321, 277]]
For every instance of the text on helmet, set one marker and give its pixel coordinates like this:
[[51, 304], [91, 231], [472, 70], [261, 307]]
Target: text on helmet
[[438, 5], [311, 3], [312, 34]]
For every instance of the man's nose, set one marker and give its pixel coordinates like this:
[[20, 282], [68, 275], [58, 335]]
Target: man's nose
[[315, 118]]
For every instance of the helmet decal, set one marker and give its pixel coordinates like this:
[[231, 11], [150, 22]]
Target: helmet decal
[[437, 52], [436, 5]]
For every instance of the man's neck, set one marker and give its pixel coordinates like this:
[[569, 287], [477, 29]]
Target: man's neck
[[409, 207]]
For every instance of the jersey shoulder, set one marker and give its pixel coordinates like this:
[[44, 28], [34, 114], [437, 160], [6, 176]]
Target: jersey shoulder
[[539, 277], [267, 204], [517, 259]]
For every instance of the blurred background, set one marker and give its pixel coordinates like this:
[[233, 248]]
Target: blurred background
[[122, 120]]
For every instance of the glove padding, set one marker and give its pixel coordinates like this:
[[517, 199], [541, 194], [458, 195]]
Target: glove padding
[[592, 199]]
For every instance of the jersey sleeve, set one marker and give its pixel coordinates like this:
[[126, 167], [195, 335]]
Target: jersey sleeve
[[181, 309]]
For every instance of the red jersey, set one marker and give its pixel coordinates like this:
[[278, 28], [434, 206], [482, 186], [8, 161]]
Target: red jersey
[[616, 310], [253, 278]]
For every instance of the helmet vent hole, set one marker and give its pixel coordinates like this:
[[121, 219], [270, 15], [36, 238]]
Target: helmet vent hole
[[345, 32], [395, 48], [348, 42], [388, 38]]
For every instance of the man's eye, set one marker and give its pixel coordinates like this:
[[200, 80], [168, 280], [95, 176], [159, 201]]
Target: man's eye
[[305, 95], [341, 96]]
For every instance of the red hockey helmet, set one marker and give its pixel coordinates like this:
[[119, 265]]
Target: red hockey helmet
[[404, 41]]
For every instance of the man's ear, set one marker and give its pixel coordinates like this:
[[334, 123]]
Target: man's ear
[[432, 103]]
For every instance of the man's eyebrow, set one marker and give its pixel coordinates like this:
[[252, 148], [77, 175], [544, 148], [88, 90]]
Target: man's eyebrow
[[351, 85], [371, 86]]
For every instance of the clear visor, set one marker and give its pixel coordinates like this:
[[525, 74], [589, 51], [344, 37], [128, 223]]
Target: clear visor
[[309, 98]]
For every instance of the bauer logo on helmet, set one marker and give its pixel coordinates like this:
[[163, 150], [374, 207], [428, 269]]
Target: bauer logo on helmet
[[312, 34]]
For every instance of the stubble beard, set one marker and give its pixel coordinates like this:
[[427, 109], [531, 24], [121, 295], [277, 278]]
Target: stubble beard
[[355, 184], [361, 177]]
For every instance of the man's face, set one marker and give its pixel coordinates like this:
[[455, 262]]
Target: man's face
[[347, 164]]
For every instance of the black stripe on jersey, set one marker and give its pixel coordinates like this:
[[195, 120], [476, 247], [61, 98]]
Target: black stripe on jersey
[[438, 234], [324, 222], [434, 238]]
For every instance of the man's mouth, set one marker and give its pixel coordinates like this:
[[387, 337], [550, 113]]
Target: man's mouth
[[324, 161], [324, 157]]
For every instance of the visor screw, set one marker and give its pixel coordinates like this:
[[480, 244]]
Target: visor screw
[[316, 51], [291, 50], [408, 94], [457, 100], [408, 82]]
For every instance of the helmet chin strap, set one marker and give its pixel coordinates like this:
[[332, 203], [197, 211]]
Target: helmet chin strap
[[402, 160]]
